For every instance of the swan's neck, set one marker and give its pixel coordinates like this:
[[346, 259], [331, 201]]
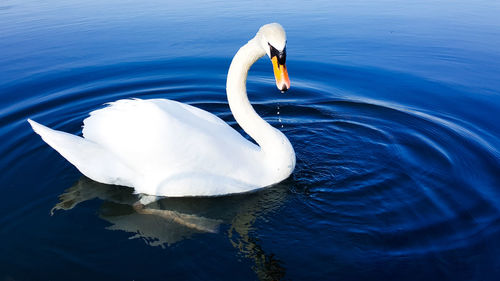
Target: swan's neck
[[271, 141]]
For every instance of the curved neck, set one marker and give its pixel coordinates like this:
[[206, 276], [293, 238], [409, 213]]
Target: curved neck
[[256, 127], [279, 156]]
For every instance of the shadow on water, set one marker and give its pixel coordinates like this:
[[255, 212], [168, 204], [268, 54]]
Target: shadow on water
[[165, 221]]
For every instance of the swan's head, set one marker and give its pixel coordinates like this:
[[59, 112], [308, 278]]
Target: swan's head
[[273, 40]]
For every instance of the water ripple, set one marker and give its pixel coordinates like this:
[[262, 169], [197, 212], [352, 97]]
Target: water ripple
[[394, 178]]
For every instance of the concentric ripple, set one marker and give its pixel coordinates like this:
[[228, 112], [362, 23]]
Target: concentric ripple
[[395, 178], [379, 175]]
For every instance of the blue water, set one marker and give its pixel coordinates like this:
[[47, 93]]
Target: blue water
[[393, 113]]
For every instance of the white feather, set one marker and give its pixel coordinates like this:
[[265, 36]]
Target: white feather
[[166, 148]]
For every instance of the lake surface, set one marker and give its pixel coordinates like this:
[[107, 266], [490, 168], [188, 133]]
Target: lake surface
[[394, 113]]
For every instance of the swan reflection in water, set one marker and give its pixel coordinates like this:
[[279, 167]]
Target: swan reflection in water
[[165, 221]]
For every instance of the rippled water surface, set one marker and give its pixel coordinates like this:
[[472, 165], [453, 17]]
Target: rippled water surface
[[393, 113]]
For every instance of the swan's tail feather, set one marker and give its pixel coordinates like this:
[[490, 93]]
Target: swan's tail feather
[[88, 157]]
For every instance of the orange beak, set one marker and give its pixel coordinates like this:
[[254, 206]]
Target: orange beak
[[281, 75]]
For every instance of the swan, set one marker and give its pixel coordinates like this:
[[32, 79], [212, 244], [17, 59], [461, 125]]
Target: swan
[[162, 147]]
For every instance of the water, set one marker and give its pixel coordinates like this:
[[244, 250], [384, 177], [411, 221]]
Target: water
[[393, 114]]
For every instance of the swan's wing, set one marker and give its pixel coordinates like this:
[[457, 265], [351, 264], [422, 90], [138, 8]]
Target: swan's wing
[[88, 157], [165, 139]]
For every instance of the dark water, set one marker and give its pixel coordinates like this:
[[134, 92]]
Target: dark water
[[393, 112]]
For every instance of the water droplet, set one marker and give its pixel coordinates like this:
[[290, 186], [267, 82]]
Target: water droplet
[[278, 113]]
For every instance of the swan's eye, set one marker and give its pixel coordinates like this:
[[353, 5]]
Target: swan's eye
[[280, 56]]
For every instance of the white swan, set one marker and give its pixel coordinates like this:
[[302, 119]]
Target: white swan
[[166, 148]]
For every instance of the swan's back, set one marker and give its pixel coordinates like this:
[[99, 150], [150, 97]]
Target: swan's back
[[173, 145]]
